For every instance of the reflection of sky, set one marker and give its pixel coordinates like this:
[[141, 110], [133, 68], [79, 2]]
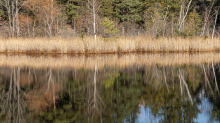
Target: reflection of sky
[[203, 116], [145, 116]]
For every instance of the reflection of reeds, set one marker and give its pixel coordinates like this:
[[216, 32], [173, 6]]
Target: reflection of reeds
[[82, 61], [123, 44]]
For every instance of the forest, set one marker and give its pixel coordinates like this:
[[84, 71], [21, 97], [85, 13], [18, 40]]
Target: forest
[[109, 26], [109, 18]]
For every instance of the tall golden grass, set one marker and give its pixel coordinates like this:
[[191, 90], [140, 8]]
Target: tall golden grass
[[121, 61], [122, 44]]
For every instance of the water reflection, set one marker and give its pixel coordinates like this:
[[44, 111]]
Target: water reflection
[[153, 93]]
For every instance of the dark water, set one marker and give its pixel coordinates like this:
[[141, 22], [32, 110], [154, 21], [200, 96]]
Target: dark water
[[135, 94]]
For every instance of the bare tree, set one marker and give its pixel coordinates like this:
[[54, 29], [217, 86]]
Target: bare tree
[[187, 88], [165, 80], [206, 79], [216, 84], [12, 7], [207, 15], [13, 104], [95, 87], [46, 11], [181, 20], [216, 16], [94, 4]]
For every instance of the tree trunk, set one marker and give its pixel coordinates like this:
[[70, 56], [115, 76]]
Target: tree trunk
[[207, 14], [181, 22], [95, 101], [94, 19], [17, 19], [12, 7], [216, 13], [74, 26]]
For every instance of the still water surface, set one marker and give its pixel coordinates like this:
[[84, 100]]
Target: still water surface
[[135, 93]]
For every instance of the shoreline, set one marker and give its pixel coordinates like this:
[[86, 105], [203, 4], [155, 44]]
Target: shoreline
[[110, 52], [122, 45]]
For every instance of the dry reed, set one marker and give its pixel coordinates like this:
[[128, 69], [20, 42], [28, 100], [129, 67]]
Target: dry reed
[[122, 61], [123, 44]]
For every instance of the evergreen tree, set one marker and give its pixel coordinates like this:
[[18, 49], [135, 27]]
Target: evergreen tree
[[107, 8], [128, 10], [193, 24], [72, 7]]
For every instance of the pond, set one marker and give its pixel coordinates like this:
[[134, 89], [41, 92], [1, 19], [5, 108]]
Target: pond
[[125, 88]]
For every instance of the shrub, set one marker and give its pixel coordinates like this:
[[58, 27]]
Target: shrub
[[111, 32]]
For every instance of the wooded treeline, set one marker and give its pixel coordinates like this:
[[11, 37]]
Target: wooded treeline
[[68, 18]]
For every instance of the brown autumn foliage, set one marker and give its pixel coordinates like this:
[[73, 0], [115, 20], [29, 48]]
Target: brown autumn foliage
[[25, 80], [23, 19], [42, 7], [41, 99], [45, 12]]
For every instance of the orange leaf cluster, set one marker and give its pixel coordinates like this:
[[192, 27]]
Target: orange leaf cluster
[[23, 19], [43, 8]]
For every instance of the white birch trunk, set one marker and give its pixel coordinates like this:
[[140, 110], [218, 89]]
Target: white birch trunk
[[207, 79], [186, 86], [216, 16], [165, 80], [181, 91], [12, 7], [17, 19], [207, 14], [94, 19], [216, 84], [95, 87], [185, 14]]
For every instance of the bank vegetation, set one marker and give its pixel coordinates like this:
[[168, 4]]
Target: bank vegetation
[[88, 45], [110, 26]]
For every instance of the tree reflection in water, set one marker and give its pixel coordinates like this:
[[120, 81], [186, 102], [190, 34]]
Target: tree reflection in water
[[109, 94]]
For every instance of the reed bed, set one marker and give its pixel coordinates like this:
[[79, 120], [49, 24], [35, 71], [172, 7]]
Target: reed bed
[[121, 45], [116, 60]]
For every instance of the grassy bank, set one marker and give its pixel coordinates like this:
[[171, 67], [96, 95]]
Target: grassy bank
[[121, 45], [116, 60]]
